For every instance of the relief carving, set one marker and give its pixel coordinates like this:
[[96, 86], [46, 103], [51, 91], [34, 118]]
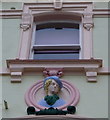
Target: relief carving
[[88, 21], [25, 26], [88, 26], [57, 4], [53, 72]]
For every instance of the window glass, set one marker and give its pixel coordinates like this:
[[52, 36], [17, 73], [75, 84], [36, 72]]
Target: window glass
[[56, 42], [54, 36], [57, 56]]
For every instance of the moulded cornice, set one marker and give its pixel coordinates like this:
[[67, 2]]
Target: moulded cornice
[[18, 13], [101, 12], [11, 13], [51, 3], [66, 6], [101, 71], [88, 66]]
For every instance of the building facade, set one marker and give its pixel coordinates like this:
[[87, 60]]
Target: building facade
[[64, 39]]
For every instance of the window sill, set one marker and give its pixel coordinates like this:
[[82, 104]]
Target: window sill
[[52, 67]]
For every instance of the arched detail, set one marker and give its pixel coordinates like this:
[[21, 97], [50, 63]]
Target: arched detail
[[35, 13], [57, 16], [30, 96]]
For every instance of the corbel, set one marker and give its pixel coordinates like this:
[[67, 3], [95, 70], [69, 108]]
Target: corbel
[[26, 21], [53, 72], [88, 21], [16, 77], [58, 4], [91, 74], [16, 73]]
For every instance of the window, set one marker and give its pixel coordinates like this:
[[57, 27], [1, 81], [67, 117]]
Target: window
[[56, 41], [74, 20], [70, 16]]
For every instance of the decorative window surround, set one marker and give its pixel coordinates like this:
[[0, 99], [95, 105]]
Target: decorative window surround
[[89, 67], [41, 12]]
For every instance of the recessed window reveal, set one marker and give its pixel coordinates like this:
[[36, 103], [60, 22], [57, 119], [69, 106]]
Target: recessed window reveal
[[56, 43]]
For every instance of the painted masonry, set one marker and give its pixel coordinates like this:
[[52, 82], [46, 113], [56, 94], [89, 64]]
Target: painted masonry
[[80, 83]]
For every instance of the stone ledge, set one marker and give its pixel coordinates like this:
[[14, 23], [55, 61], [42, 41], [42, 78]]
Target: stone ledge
[[89, 66]]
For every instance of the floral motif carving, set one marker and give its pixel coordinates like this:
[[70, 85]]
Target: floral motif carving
[[25, 26], [88, 26]]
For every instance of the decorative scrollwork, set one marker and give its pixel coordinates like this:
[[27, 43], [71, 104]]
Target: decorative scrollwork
[[53, 72]]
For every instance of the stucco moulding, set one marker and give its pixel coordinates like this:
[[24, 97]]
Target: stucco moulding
[[74, 6], [89, 67]]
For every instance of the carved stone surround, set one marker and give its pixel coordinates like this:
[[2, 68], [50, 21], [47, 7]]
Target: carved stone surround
[[89, 67]]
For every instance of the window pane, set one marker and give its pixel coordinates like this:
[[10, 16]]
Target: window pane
[[54, 36], [57, 56]]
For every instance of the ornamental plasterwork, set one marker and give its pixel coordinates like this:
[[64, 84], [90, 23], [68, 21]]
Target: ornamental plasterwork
[[53, 72], [89, 67], [25, 26], [58, 4], [88, 26], [51, 96], [88, 21]]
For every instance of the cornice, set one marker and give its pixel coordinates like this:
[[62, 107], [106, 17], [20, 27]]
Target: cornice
[[101, 12], [73, 6], [87, 66], [101, 71], [63, 3], [11, 13], [75, 62]]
